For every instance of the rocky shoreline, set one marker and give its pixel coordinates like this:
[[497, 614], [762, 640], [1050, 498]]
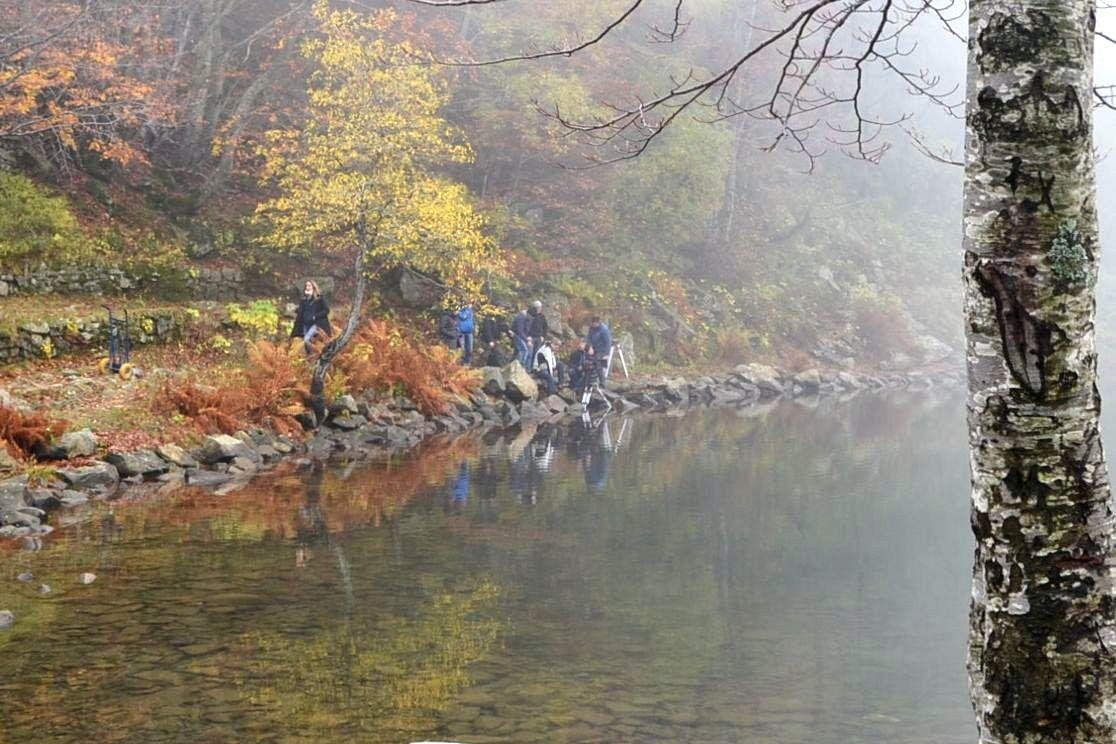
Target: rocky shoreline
[[359, 429]]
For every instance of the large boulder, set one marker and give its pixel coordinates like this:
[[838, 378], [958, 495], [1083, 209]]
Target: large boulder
[[140, 462], [81, 443], [518, 384], [810, 380], [493, 380], [762, 376], [676, 389], [223, 448], [174, 454], [99, 475]]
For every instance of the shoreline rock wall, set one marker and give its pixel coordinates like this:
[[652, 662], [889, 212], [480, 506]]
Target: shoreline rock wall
[[359, 429]]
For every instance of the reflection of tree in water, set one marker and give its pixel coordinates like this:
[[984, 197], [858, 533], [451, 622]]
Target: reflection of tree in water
[[371, 677]]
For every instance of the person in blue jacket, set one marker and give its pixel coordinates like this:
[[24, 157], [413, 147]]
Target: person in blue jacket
[[466, 325], [598, 344]]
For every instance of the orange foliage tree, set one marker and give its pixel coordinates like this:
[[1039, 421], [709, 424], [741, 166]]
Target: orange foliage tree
[[72, 78]]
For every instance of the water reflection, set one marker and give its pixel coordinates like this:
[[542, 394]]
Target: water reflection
[[779, 573]]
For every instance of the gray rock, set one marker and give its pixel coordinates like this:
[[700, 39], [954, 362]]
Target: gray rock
[[42, 498], [675, 389], [555, 404], [140, 462], [195, 477], [530, 410], [223, 448], [348, 423], [87, 578], [765, 378], [26, 577], [809, 380], [98, 475], [7, 462], [7, 619], [82, 443], [518, 384], [71, 498], [347, 403], [493, 380], [175, 455]]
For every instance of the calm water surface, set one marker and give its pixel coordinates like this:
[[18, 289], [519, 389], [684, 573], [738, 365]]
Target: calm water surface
[[790, 574]]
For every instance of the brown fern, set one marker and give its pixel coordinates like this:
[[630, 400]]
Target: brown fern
[[22, 432], [382, 358]]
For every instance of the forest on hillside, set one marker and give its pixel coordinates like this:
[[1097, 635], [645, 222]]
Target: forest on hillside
[[157, 133]]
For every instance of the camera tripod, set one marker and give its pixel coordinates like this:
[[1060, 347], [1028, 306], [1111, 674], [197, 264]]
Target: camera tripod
[[594, 387]]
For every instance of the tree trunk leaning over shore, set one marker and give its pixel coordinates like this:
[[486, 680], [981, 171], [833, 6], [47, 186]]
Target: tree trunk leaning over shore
[[1042, 616], [338, 344]]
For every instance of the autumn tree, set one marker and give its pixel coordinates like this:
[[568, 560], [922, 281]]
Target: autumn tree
[[1043, 612], [363, 177], [74, 78]]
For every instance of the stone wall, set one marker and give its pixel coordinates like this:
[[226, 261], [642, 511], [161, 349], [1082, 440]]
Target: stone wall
[[204, 283], [48, 339], [69, 280]]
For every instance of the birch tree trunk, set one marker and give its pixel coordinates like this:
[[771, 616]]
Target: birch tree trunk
[[1042, 615]]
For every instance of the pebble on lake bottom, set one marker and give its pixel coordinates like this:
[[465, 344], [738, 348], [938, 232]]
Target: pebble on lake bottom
[[7, 619], [87, 578]]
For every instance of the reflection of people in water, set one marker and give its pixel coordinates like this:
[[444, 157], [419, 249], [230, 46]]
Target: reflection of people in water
[[461, 487], [592, 447], [311, 521], [531, 464]]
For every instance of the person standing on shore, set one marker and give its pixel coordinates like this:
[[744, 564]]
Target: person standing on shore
[[521, 337], [539, 329], [466, 326], [312, 316]]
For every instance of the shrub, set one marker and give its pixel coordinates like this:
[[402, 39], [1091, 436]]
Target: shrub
[[35, 226], [272, 391], [881, 322], [209, 409], [259, 319], [22, 432], [381, 358]]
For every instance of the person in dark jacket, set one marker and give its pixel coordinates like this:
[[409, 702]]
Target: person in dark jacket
[[447, 329], [312, 316], [599, 345], [521, 337], [493, 330], [539, 329]]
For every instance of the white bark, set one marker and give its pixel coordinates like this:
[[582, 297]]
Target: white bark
[[1042, 612]]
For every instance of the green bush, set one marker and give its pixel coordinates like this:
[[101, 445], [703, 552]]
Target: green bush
[[35, 226], [260, 319]]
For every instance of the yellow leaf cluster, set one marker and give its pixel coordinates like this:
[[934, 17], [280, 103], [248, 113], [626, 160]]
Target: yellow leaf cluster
[[369, 163]]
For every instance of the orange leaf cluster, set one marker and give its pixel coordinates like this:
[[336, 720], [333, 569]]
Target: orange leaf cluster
[[383, 359], [22, 431], [271, 391]]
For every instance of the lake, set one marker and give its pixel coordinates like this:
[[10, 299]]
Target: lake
[[797, 572]]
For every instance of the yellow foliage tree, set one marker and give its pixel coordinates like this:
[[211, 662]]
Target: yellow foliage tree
[[364, 174]]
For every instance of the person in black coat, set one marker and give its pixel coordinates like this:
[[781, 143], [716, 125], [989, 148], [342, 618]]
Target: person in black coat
[[539, 329], [312, 316], [493, 330]]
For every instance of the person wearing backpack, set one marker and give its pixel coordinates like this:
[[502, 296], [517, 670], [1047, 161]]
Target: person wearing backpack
[[466, 326]]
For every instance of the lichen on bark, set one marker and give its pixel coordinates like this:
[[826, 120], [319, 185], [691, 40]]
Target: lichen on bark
[[1042, 616]]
